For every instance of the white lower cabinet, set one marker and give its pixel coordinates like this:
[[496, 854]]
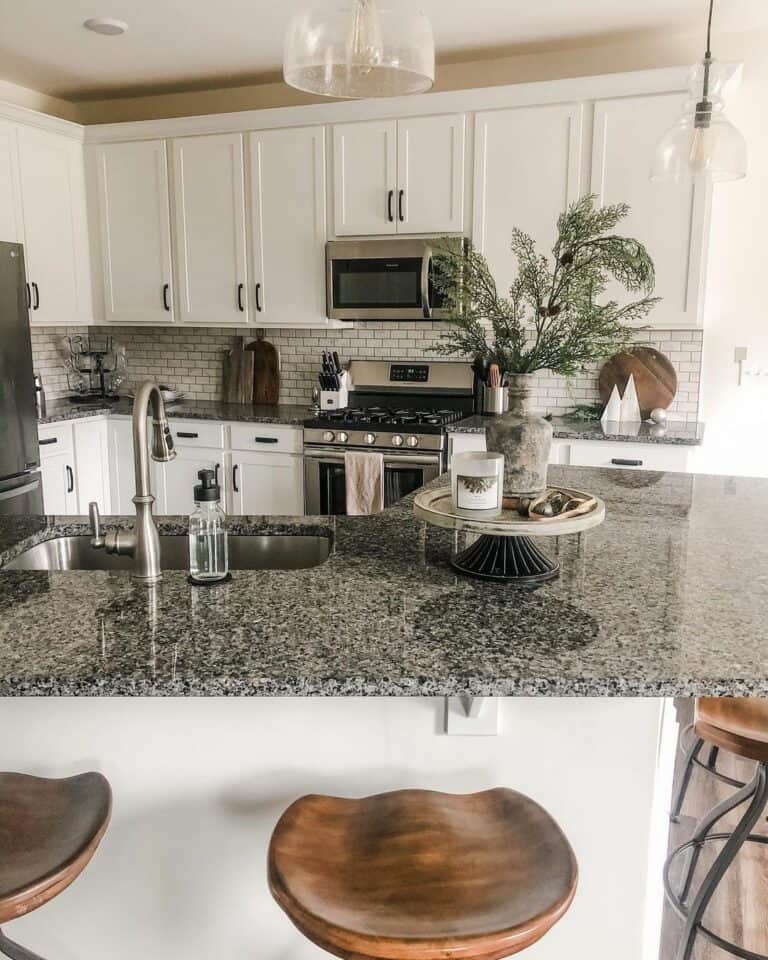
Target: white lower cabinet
[[175, 481], [267, 483], [628, 456], [74, 466]]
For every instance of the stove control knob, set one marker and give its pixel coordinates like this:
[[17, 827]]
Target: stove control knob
[[411, 441], [397, 440], [329, 436], [342, 436], [369, 438]]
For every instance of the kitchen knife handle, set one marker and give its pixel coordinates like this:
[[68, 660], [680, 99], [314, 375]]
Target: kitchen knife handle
[[36, 291], [70, 479], [166, 304], [258, 297], [235, 487], [240, 306], [390, 198], [400, 195], [621, 462]]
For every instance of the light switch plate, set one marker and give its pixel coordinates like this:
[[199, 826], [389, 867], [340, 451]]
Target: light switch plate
[[472, 716]]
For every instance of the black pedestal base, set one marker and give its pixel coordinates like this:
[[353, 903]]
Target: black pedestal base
[[508, 559]]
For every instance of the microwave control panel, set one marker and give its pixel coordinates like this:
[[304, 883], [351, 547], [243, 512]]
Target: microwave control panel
[[409, 372]]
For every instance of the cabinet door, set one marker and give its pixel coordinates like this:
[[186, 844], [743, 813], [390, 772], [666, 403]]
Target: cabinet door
[[121, 474], [209, 214], [10, 199], [91, 464], [176, 480], [134, 214], [527, 164], [364, 177], [287, 193], [669, 218], [267, 483], [53, 209], [59, 489], [430, 174]]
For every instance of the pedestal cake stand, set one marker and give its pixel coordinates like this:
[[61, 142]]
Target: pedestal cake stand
[[504, 550]]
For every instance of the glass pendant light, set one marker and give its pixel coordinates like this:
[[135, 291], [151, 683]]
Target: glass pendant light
[[702, 144], [359, 50]]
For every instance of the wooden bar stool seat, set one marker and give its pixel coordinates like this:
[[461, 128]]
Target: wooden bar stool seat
[[739, 725], [421, 875], [49, 830]]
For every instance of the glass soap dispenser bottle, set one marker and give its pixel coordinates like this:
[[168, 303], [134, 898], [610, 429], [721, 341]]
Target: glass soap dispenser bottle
[[208, 558]]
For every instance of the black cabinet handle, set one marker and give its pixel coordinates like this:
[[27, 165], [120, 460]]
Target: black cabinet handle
[[258, 297], [390, 197], [48, 440], [29, 296], [234, 479], [36, 291], [166, 304], [216, 474], [240, 306], [400, 195], [70, 479], [266, 439], [187, 436], [619, 462]]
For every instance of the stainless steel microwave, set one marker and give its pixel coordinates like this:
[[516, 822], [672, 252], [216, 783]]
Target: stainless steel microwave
[[388, 279]]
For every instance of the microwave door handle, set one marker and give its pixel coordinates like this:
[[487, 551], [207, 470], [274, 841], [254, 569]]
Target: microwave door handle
[[426, 260]]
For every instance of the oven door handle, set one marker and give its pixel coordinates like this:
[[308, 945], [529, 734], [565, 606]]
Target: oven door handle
[[416, 460], [426, 306]]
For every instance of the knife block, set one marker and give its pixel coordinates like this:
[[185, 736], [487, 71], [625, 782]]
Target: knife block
[[336, 399]]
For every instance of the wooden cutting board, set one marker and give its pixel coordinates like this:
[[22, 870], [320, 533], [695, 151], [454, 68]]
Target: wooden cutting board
[[238, 374], [266, 372], [655, 378]]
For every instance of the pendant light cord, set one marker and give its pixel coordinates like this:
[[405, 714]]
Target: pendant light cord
[[708, 56]]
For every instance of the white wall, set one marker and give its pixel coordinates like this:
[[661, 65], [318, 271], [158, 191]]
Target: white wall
[[198, 785], [736, 438]]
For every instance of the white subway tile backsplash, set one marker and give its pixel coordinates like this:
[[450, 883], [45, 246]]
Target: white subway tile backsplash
[[193, 359]]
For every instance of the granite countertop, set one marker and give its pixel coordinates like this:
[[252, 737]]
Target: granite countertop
[[288, 413], [673, 432], [668, 597]]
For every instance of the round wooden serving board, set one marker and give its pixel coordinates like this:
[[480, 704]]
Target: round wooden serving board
[[655, 378]]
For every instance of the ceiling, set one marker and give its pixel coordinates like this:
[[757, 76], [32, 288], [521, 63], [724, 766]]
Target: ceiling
[[188, 44]]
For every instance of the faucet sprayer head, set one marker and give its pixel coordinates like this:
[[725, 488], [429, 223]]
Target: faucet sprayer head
[[162, 441]]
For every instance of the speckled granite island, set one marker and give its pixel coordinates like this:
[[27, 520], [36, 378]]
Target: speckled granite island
[[668, 597]]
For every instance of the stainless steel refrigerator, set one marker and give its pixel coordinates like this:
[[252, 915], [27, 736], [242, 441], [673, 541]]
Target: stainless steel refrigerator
[[20, 482]]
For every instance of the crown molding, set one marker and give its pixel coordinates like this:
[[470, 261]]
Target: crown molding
[[44, 121]]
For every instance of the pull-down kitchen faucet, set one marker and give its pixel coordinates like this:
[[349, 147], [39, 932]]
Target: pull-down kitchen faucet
[[142, 543]]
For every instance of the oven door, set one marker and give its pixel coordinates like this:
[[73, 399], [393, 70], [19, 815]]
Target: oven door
[[381, 280], [325, 483]]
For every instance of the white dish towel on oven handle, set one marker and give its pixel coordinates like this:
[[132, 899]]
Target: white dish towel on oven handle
[[364, 479]]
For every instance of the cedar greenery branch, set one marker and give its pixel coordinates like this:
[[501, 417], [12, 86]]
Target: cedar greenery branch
[[552, 318]]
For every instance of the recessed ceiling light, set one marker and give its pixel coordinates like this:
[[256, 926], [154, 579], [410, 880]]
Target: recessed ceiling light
[[106, 26]]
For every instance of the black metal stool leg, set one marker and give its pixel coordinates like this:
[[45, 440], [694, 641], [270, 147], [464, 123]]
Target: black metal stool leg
[[758, 789], [714, 753], [15, 951], [704, 827], [690, 760]]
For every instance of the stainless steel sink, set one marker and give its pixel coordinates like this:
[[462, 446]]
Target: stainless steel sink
[[278, 552]]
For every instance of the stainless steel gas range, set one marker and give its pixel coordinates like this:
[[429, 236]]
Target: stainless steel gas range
[[399, 408]]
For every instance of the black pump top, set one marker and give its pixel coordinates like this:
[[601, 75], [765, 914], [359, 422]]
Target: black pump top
[[208, 489]]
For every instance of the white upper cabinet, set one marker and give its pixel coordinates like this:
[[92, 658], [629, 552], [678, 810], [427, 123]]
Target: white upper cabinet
[[287, 226], [135, 226], [399, 176], [10, 206], [668, 218], [365, 177], [52, 181], [527, 171], [209, 215], [430, 174]]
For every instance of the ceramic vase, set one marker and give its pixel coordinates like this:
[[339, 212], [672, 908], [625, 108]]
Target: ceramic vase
[[524, 439]]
